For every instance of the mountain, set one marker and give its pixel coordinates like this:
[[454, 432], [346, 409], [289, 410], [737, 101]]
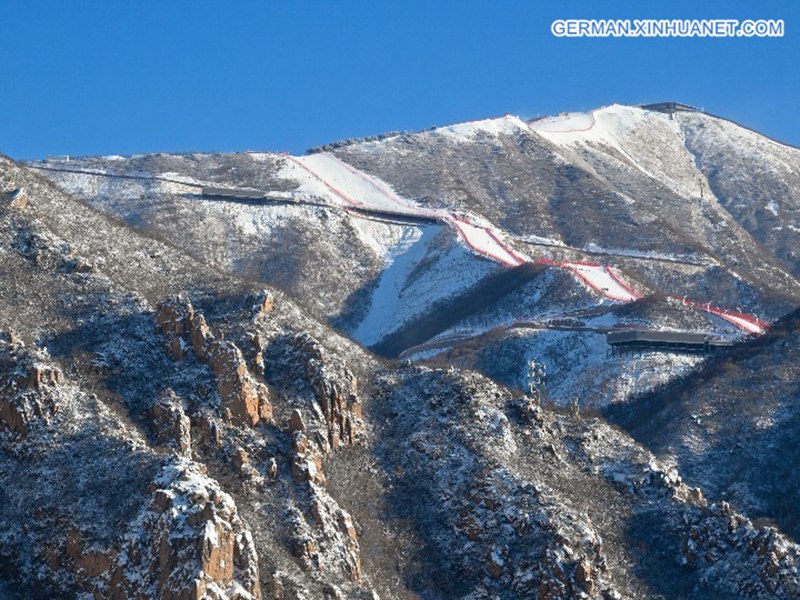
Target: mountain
[[258, 375]]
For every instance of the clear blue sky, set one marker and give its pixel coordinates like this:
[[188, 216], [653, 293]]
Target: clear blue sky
[[85, 77]]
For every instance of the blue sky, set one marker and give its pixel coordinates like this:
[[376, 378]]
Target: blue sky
[[97, 77]]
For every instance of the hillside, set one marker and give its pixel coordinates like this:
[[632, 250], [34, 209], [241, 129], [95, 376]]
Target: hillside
[[378, 237], [313, 384], [733, 425]]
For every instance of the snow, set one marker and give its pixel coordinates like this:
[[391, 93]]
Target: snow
[[386, 239], [632, 132], [742, 323], [323, 175], [381, 318], [211, 533], [402, 294], [601, 379], [466, 132], [564, 123], [545, 241], [484, 240], [772, 207], [603, 280], [665, 256]]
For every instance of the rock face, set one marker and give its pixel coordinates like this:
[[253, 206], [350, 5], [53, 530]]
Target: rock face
[[447, 485], [187, 543], [17, 199], [27, 386], [244, 401], [171, 425], [335, 389], [326, 417]]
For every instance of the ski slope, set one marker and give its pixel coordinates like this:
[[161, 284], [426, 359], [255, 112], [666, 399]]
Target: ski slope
[[602, 279], [566, 123], [485, 241], [326, 176], [747, 323]]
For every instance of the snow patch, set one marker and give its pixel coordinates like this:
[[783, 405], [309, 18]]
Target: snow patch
[[466, 132]]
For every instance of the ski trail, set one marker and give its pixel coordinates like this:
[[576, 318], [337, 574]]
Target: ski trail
[[327, 175]]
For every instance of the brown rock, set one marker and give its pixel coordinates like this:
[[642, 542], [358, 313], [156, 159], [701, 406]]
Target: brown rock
[[240, 458], [241, 397], [26, 388], [170, 424], [207, 431], [345, 522], [264, 404], [201, 335], [173, 321], [265, 305], [583, 577], [335, 389], [18, 199], [182, 553], [296, 422]]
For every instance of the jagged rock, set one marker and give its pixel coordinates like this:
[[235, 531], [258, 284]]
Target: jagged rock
[[346, 525], [264, 306], [244, 401], [307, 463], [207, 431], [201, 336], [335, 389], [583, 577], [173, 321], [188, 542], [240, 458], [27, 387], [170, 423], [255, 353], [17, 199]]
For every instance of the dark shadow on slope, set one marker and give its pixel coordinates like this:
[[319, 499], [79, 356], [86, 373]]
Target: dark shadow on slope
[[411, 500], [447, 313], [656, 536], [750, 398], [641, 416]]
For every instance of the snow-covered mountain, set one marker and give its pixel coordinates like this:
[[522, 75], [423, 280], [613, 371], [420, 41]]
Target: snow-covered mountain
[[258, 375], [404, 242]]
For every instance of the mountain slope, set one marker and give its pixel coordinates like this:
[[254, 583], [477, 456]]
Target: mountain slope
[[173, 425]]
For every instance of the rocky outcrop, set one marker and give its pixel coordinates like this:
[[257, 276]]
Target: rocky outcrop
[[324, 535], [171, 425], [244, 401], [27, 386], [187, 543], [264, 306], [335, 390], [732, 552], [174, 322], [17, 198]]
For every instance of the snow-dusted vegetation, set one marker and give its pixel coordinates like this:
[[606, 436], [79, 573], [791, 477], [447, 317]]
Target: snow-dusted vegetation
[[329, 387]]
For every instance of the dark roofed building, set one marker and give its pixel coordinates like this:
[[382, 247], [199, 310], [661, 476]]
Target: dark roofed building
[[237, 194], [644, 340]]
